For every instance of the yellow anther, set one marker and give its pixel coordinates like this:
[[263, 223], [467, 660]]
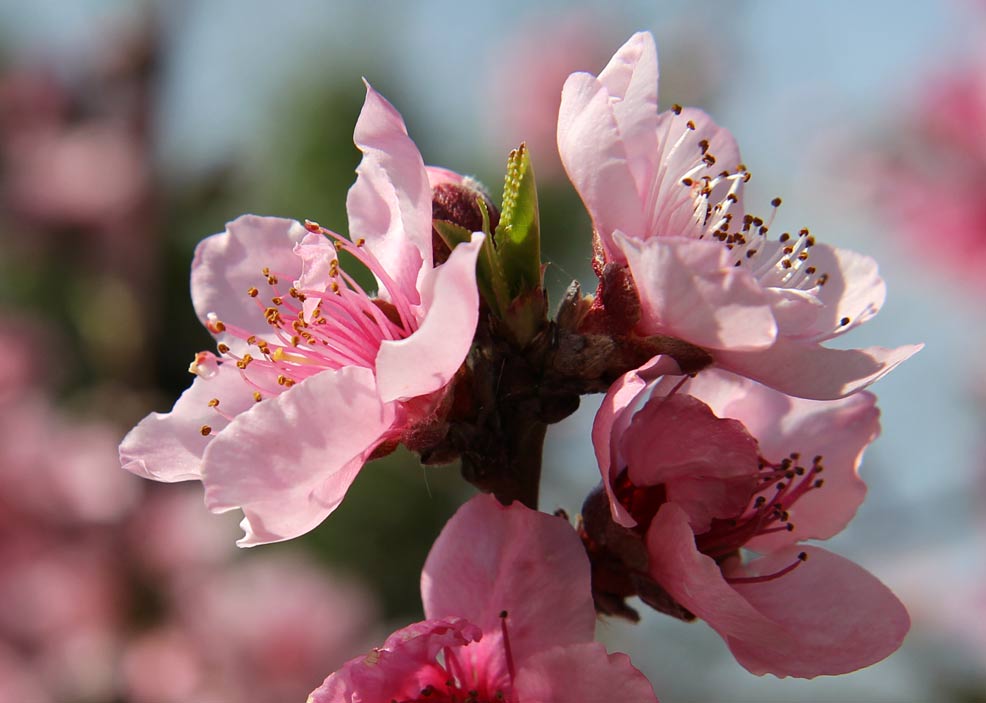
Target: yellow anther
[[214, 402]]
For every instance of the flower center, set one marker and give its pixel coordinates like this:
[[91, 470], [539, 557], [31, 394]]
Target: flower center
[[779, 486], [327, 324], [456, 680], [708, 206]]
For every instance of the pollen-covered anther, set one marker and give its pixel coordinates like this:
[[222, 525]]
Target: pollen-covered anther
[[205, 430], [214, 324]]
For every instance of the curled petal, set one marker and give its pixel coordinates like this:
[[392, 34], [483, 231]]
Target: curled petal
[[288, 467], [688, 288], [808, 370], [428, 359], [227, 264], [630, 79], [390, 204], [595, 158], [491, 558]]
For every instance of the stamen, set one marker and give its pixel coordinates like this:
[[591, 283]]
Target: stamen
[[506, 645], [802, 557]]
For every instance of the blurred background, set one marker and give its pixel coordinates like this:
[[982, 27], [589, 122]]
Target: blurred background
[[130, 130]]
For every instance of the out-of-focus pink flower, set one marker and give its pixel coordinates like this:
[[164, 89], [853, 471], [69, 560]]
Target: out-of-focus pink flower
[[527, 83], [172, 535], [61, 472], [509, 618], [257, 631], [665, 195], [710, 466], [940, 218], [314, 373], [83, 176]]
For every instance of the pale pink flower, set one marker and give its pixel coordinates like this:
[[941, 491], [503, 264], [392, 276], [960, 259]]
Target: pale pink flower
[[665, 195], [314, 374], [709, 467], [509, 618]]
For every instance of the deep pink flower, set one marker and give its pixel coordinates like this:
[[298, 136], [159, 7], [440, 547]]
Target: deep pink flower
[[665, 192], [509, 618], [709, 467], [314, 374]]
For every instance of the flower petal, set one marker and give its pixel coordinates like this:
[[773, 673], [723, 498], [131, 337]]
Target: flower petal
[[689, 289], [853, 293], [837, 430], [843, 617], [827, 616], [612, 419], [595, 158], [707, 465], [390, 204], [227, 264], [581, 672], [809, 370], [288, 467], [428, 359], [630, 78], [169, 446], [491, 558]]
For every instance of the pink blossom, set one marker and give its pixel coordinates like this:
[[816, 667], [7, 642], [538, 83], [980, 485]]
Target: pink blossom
[[665, 192], [314, 374], [509, 618], [710, 467]]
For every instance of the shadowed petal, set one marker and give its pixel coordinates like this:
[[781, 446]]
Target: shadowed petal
[[583, 672], [491, 558]]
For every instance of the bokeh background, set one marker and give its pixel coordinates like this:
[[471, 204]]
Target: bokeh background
[[130, 130]]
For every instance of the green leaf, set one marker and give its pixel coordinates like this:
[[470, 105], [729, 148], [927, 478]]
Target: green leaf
[[518, 235]]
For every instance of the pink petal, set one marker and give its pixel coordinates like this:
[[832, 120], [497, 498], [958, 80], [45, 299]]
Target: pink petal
[[611, 421], [842, 616], [595, 157], [808, 370], [491, 558], [708, 465], [837, 430], [669, 203], [689, 289], [438, 176], [854, 290], [630, 78], [582, 672], [316, 253], [390, 204], [827, 616], [428, 359], [401, 668], [169, 446], [227, 264], [289, 461]]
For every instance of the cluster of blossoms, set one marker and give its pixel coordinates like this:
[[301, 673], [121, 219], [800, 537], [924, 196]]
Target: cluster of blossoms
[[727, 428]]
